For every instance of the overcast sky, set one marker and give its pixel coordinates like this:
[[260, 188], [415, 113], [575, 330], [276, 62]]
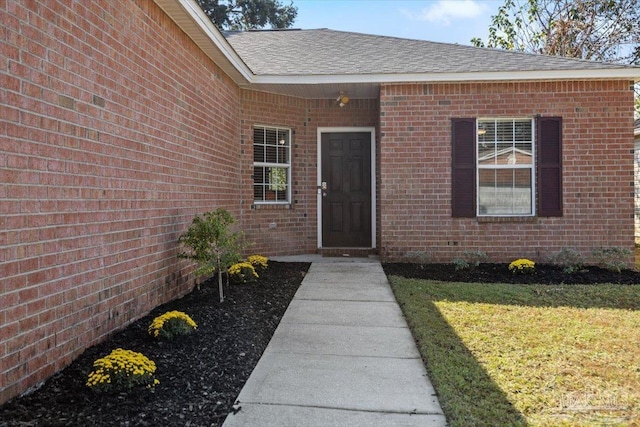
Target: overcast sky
[[450, 21]]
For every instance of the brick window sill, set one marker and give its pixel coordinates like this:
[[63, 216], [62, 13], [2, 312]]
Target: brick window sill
[[506, 219], [271, 206]]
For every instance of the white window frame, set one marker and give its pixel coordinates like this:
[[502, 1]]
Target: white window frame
[[286, 166], [531, 166]]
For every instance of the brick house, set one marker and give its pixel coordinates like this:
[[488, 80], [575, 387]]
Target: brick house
[[636, 166], [121, 121]]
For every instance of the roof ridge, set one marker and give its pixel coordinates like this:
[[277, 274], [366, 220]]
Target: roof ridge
[[257, 30]]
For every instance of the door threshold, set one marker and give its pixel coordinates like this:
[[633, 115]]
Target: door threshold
[[348, 252]]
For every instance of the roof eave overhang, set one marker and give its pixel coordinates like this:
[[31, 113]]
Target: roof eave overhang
[[630, 74], [199, 28]]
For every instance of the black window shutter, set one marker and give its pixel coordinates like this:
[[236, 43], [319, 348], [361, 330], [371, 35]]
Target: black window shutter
[[463, 168], [549, 166]]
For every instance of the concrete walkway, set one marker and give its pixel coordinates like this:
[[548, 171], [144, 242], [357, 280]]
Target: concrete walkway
[[341, 356]]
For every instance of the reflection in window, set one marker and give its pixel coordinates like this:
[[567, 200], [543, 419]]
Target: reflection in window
[[271, 165], [505, 167]]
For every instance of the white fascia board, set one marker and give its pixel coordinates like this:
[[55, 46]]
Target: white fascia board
[[204, 22], [602, 74]]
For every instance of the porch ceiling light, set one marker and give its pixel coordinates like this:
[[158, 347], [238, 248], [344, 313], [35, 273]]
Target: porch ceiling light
[[342, 99]]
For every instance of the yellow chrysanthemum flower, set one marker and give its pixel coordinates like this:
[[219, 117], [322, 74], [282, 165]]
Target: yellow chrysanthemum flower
[[170, 324], [522, 265], [258, 261], [121, 370], [242, 272]]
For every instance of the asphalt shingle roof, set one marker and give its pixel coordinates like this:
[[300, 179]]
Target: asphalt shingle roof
[[330, 52]]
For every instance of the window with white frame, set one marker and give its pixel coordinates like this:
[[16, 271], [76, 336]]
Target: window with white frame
[[271, 164], [505, 167]]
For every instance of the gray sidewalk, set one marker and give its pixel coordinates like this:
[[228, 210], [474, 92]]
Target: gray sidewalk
[[341, 356]]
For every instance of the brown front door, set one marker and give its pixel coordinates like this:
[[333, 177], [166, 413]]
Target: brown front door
[[346, 201]]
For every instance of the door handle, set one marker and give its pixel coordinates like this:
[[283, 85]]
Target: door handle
[[322, 189]]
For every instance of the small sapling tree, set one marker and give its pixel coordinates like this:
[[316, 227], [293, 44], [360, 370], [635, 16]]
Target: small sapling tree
[[212, 244]]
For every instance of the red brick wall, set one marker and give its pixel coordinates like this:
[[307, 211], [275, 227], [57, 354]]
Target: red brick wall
[[115, 130], [416, 169], [296, 229]]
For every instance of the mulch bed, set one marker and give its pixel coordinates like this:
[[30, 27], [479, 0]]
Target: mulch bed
[[499, 273], [200, 374]]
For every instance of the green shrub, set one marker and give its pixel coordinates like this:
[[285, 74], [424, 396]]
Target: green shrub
[[612, 258], [212, 245], [470, 260], [569, 259], [171, 324], [419, 257], [122, 370]]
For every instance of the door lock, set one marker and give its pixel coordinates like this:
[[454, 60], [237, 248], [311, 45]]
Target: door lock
[[324, 186]]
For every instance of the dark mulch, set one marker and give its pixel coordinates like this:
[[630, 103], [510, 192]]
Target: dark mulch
[[200, 374], [499, 273]]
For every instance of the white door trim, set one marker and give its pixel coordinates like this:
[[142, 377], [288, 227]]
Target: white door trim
[[372, 131]]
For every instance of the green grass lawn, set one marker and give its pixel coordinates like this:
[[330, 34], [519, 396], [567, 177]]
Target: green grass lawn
[[538, 355]]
